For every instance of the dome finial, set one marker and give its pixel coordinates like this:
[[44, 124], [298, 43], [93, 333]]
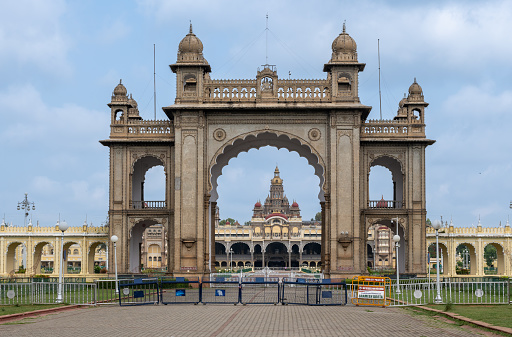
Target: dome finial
[[344, 26], [415, 80], [191, 27]]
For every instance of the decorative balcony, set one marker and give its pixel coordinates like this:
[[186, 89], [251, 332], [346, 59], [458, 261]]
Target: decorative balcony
[[148, 205], [386, 204]]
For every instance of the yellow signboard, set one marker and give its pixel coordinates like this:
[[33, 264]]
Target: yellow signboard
[[370, 290]]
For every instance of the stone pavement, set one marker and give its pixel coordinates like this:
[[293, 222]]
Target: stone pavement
[[230, 320]]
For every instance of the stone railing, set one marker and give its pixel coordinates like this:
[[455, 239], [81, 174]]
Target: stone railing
[[383, 204], [248, 91], [142, 129], [391, 129], [148, 205]]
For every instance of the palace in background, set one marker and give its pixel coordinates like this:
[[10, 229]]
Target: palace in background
[[276, 236]]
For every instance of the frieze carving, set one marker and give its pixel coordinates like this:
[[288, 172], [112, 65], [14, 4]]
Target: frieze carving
[[309, 121], [314, 134], [219, 134]]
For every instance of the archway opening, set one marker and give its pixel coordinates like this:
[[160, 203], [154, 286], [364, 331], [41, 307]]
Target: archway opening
[[438, 259], [43, 258], [466, 259], [15, 259], [154, 248], [72, 258], [240, 188], [494, 259], [148, 183], [385, 183], [138, 242], [381, 249], [97, 257]]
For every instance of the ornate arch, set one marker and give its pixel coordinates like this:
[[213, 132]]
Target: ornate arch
[[264, 137]]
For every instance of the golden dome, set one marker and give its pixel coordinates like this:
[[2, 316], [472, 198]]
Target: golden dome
[[277, 179]]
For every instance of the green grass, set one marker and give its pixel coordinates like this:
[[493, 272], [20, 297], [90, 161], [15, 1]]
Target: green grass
[[15, 309], [493, 314]]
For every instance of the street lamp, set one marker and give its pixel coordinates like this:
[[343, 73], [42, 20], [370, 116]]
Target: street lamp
[[114, 239], [25, 205], [63, 226], [436, 224], [396, 239], [231, 260]]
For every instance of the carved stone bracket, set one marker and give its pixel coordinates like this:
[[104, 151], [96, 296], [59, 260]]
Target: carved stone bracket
[[345, 239], [188, 243]]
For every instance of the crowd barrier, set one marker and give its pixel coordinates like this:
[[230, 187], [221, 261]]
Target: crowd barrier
[[220, 290], [314, 292], [139, 292], [180, 290], [260, 290]]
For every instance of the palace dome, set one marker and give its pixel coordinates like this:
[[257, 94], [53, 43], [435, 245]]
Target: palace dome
[[295, 204], [344, 48], [120, 89], [190, 44], [415, 88], [257, 204]]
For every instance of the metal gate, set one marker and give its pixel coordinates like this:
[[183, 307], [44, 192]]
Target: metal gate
[[180, 290]]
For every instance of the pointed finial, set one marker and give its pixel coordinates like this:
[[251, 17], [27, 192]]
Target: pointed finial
[[344, 26], [190, 27], [415, 80], [121, 81]]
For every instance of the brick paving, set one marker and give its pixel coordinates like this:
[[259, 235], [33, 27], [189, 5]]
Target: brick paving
[[230, 320]]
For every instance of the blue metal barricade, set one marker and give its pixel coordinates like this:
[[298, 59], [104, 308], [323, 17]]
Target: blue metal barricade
[[220, 290], [180, 290], [314, 292], [138, 291], [260, 290]]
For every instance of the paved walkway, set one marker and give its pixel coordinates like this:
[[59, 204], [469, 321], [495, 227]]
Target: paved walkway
[[230, 320]]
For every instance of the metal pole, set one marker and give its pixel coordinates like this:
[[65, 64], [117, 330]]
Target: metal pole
[[438, 299], [59, 290], [115, 267], [397, 270]]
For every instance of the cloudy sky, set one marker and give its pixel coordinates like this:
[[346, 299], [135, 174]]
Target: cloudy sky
[[60, 60]]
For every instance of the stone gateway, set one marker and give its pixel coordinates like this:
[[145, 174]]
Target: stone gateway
[[212, 121]]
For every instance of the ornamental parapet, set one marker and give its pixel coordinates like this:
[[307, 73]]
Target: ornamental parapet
[[142, 129], [253, 91], [470, 231], [392, 129], [53, 230]]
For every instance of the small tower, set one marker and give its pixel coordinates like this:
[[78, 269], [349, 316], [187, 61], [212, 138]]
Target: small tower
[[343, 69], [119, 104], [191, 69], [415, 104]]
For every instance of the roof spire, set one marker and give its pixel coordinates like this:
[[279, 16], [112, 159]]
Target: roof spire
[[415, 80], [191, 27], [344, 28]]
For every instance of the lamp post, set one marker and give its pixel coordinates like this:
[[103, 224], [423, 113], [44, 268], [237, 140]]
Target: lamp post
[[396, 239], [25, 205], [231, 260], [114, 240], [63, 226], [436, 224]]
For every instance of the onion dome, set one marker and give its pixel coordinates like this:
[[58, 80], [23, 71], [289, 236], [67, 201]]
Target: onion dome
[[190, 49], [344, 48], [382, 203], [295, 204], [415, 88], [133, 111], [415, 92], [119, 94], [257, 204], [120, 89]]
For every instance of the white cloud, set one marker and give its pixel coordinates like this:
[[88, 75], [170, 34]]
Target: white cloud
[[30, 33]]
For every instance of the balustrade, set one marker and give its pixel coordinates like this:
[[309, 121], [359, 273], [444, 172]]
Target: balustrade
[[148, 205], [383, 204]]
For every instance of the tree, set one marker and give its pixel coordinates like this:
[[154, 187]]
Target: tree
[[490, 254], [318, 216], [428, 222], [230, 220]]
